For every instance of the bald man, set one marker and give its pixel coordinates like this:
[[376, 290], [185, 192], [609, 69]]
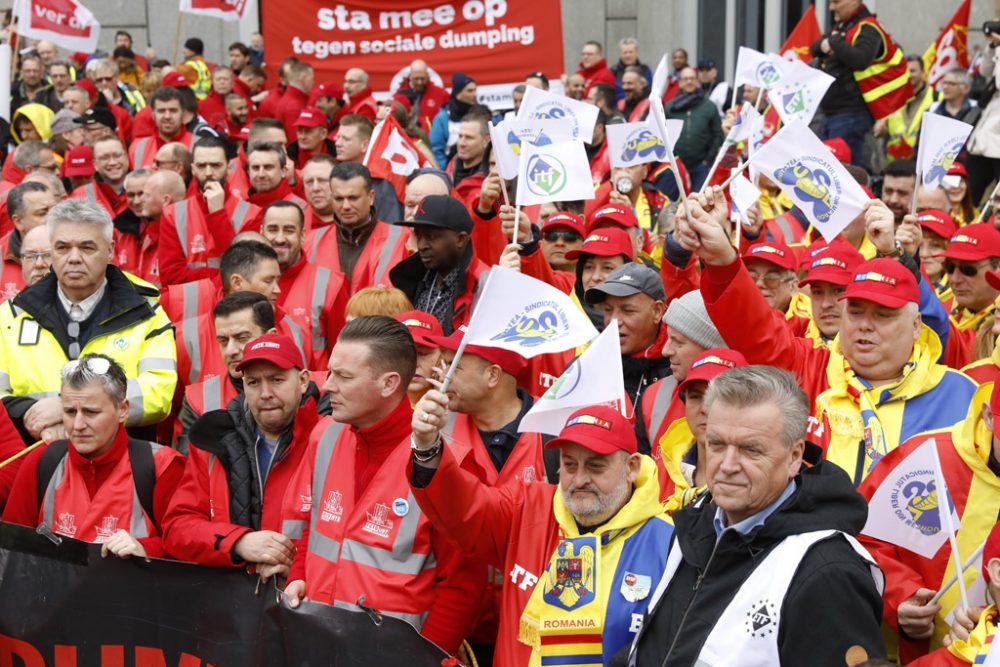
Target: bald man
[[359, 95], [425, 97], [174, 157], [137, 253]]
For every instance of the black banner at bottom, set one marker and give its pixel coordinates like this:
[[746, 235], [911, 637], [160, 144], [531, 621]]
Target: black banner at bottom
[[65, 606]]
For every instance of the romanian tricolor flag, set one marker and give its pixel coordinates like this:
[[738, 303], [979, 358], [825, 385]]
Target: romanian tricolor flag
[[949, 50], [800, 40]]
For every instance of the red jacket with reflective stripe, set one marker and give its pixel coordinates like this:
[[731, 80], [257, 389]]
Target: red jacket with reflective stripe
[[661, 407], [385, 247], [316, 296], [95, 497], [11, 277], [142, 152], [101, 193], [197, 526], [380, 546], [192, 240], [139, 255]]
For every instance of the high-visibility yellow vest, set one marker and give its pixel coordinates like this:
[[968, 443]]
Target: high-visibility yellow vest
[[902, 136], [885, 83], [203, 85]]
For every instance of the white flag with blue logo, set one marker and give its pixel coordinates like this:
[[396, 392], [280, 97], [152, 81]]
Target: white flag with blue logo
[[808, 173], [905, 510], [941, 140], [507, 136], [762, 70], [554, 172], [797, 95], [635, 143], [593, 378], [579, 117], [519, 313]]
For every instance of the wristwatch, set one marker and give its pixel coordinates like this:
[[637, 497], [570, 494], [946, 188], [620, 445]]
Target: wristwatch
[[896, 252], [422, 455]]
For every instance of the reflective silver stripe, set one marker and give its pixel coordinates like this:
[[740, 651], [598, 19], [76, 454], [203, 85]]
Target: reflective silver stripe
[[321, 545], [239, 214], [211, 394], [298, 201], [140, 149], [211, 463], [395, 231], [192, 341], [90, 191], [660, 404], [786, 229], [296, 333], [181, 224], [320, 286], [292, 528], [316, 239], [135, 402], [39, 395], [5, 382], [157, 364], [400, 559], [449, 427], [214, 262], [416, 620], [137, 524], [49, 501]]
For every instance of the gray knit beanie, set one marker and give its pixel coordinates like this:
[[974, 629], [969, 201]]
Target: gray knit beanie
[[688, 316]]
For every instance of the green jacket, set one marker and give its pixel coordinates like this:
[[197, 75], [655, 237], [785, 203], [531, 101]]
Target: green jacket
[[702, 134]]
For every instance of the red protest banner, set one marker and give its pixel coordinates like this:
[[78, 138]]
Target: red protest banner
[[493, 41], [227, 10]]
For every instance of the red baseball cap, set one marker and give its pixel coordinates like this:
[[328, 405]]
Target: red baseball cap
[[275, 348], [311, 117], [958, 169], [885, 282], [973, 243], [79, 161], [88, 85], [775, 253], [174, 79], [422, 326], [599, 428], [937, 221], [334, 90], [834, 263], [712, 363], [991, 548], [606, 242], [616, 214], [563, 219], [839, 148], [512, 363]]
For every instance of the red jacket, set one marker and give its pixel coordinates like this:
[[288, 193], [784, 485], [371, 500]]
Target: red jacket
[[142, 152], [11, 277], [198, 527], [385, 247], [407, 275], [597, 73], [368, 516], [283, 192], [192, 240], [10, 444], [431, 100], [316, 296], [92, 490], [288, 109], [268, 107], [139, 255], [362, 103], [101, 193], [142, 124], [213, 110]]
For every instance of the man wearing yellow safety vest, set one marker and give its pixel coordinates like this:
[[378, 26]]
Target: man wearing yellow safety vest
[[902, 128], [870, 72], [194, 50]]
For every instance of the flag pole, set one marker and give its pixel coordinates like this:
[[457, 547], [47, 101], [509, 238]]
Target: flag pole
[[21, 453], [177, 36], [517, 203], [739, 170], [945, 505], [461, 346], [965, 566], [988, 204], [715, 165]]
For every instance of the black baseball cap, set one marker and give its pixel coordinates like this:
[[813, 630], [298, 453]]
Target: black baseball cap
[[97, 116], [628, 279], [440, 211], [706, 63]]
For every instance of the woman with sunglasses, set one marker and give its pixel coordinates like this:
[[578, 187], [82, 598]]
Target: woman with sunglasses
[[100, 485], [972, 252]]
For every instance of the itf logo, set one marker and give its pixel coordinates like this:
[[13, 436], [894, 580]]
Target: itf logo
[[546, 175]]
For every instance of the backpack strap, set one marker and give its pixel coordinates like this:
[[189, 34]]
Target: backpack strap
[[140, 456], [550, 457], [47, 464]]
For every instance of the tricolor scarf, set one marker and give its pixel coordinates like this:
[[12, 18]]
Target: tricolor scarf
[[564, 617], [974, 649], [964, 319], [859, 413]]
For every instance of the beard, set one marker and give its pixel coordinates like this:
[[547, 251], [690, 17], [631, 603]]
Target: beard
[[596, 511], [203, 183]]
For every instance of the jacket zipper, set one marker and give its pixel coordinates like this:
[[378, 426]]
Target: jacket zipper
[[694, 596]]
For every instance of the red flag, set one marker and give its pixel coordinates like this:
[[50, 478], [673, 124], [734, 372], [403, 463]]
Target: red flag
[[393, 155], [800, 40], [227, 10], [65, 22], [949, 50]]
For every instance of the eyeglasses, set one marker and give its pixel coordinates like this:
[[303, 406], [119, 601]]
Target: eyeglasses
[[30, 258], [98, 365], [771, 279], [568, 237], [110, 157], [967, 270]]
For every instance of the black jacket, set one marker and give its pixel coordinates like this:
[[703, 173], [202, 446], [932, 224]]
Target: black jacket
[[832, 603], [843, 95], [230, 434]]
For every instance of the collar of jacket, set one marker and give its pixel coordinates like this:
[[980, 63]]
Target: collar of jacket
[[127, 222], [129, 304], [409, 273], [262, 199], [13, 249], [594, 69], [357, 235], [644, 504]]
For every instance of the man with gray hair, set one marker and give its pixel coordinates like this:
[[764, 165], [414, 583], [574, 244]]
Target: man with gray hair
[[628, 56], [85, 305], [768, 544], [57, 490], [955, 102], [27, 205]]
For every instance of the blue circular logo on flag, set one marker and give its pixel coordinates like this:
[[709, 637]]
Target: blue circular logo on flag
[[914, 501], [814, 183], [546, 175], [943, 159], [642, 143]]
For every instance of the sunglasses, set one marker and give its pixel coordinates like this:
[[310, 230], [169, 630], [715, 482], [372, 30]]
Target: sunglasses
[[568, 237], [967, 270], [96, 365]]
